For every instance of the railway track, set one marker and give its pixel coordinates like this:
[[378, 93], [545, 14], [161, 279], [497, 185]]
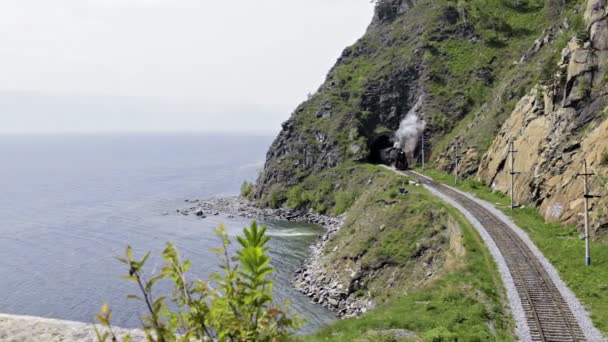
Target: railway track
[[548, 315]]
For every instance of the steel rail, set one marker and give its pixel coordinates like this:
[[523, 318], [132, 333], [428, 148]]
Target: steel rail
[[548, 315]]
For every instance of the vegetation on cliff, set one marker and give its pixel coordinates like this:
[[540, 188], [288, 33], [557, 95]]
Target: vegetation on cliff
[[457, 56], [418, 260], [464, 305], [469, 63], [424, 264]]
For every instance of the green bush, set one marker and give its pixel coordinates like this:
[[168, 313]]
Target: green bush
[[393, 194], [236, 305], [344, 200], [247, 190], [440, 334], [295, 197], [584, 89], [548, 70], [582, 36], [277, 197]]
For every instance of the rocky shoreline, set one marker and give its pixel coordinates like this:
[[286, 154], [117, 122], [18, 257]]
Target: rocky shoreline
[[15, 328], [237, 206], [312, 279]]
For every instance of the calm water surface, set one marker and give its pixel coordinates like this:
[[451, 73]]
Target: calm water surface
[[70, 204]]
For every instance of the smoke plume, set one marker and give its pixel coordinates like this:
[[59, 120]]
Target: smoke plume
[[410, 129]]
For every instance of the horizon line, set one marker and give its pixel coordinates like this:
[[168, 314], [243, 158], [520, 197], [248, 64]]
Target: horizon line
[[111, 132]]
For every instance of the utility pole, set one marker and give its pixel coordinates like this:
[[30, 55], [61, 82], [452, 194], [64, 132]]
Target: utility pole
[[587, 196], [422, 150], [513, 173]]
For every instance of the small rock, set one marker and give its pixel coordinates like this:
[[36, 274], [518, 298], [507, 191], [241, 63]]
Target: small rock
[[332, 302]]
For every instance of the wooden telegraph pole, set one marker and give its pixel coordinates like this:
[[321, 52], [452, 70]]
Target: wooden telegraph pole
[[513, 173], [587, 196]]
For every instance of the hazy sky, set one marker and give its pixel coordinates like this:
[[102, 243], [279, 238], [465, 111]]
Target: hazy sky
[[202, 65]]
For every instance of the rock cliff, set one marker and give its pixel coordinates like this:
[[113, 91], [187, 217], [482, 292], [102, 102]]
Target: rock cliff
[[372, 84], [556, 127], [478, 73]]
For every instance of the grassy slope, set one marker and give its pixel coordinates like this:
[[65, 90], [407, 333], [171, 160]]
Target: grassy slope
[[461, 304], [560, 244], [465, 299]]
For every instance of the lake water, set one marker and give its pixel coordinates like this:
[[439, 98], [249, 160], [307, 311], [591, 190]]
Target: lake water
[[70, 204]]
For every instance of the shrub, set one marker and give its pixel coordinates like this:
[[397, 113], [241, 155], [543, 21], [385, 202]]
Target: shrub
[[344, 200], [582, 36], [247, 190], [296, 197], [236, 305], [393, 194], [584, 89], [277, 198], [547, 72], [440, 334]]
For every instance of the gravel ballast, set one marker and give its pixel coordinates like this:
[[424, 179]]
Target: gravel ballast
[[517, 311], [522, 331]]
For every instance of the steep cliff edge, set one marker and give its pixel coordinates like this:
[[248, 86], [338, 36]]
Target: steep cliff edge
[[556, 127], [451, 62], [478, 72], [373, 83]]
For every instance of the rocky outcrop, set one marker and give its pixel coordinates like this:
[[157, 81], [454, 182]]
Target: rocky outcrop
[[469, 63], [317, 282], [361, 100], [556, 128], [238, 206]]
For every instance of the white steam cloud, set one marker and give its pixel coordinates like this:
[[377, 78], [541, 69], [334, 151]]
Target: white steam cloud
[[410, 129]]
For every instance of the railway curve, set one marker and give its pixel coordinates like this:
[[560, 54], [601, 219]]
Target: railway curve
[[548, 315]]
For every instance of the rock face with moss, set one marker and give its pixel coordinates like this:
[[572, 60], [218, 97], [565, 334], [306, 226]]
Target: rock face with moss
[[556, 127], [361, 103], [475, 68], [388, 244]]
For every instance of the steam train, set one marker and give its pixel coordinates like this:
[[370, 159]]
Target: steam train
[[394, 156]]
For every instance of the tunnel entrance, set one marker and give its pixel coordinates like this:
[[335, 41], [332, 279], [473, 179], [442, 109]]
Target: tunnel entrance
[[383, 151]]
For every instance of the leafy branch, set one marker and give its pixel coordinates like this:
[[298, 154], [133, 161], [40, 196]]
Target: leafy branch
[[234, 305]]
